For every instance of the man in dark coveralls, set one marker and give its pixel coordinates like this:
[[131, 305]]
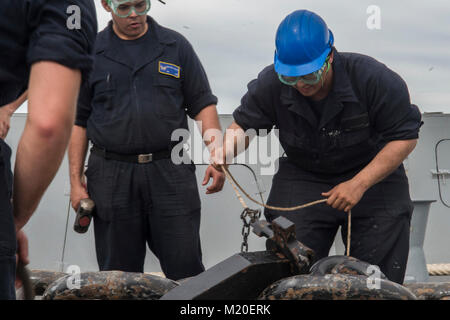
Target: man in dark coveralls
[[41, 54], [346, 124], [146, 79]]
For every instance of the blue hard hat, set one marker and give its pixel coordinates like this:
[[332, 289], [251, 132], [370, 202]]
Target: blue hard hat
[[303, 42]]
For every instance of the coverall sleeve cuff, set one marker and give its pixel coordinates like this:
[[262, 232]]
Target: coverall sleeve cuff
[[239, 121], [62, 50], [402, 137], [81, 123], [201, 104]]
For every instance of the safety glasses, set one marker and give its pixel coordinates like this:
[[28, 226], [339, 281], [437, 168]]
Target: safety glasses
[[309, 79], [124, 9]]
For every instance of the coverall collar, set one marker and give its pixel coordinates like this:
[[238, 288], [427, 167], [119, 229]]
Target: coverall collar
[[159, 39], [342, 87], [340, 92]]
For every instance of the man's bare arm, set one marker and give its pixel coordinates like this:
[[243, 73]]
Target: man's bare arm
[[347, 194], [7, 111], [234, 142], [13, 106], [77, 155], [52, 95], [208, 121]]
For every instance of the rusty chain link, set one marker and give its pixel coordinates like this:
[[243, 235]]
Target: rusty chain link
[[248, 216]]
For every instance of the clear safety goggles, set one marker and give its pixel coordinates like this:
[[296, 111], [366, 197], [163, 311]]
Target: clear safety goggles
[[309, 79], [125, 8]]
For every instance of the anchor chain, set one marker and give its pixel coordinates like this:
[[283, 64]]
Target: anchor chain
[[248, 216]]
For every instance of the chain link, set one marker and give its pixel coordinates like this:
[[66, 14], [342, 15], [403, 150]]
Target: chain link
[[248, 216], [255, 214]]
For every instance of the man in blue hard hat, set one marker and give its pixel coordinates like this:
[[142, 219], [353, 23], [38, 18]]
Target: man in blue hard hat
[[146, 80], [43, 60], [346, 124]]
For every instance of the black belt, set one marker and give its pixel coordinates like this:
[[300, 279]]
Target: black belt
[[134, 158]]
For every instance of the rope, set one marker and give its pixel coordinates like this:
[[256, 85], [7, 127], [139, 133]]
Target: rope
[[441, 269], [236, 185], [231, 180], [349, 230], [65, 237]]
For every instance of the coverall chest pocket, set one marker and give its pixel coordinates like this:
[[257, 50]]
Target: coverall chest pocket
[[167, 97], [295, 142], [104, 94], [355, 130]]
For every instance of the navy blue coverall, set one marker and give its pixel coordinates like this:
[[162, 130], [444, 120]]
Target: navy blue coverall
[[131, 106], [33, 31], [367, 107]]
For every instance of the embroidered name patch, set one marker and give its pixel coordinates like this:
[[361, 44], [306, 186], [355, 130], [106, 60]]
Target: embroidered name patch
[[169, 69]]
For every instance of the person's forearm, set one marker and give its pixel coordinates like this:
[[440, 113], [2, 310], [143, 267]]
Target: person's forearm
[[208, 121], [77, 155], [235, 142], [53, 92], [13, 106], [386, 161]]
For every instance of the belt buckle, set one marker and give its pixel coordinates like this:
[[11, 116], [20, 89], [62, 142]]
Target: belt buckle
[[145, 158]]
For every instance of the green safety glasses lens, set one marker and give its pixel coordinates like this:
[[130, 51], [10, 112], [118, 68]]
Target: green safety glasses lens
[[309, 79], [125, 8]]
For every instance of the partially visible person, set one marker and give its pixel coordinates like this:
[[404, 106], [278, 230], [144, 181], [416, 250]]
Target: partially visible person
[[147, 80], [346, 123], [41, 55]]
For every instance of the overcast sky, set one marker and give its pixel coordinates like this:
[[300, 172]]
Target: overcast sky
[[235, 39]]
